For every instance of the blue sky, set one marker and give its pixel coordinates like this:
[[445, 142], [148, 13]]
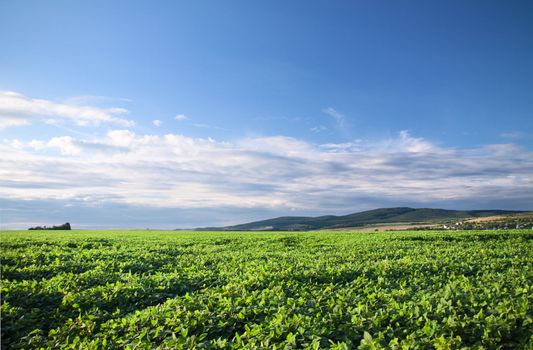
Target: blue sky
[[206, 113]]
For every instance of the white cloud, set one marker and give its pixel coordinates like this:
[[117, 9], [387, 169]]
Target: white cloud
[[37, 144], [7, 121], [180, 117], [16, 143], [66, 144], [176, 171], [120, 138], [278, 145], [407, 143], [17, 109], [156, 122]]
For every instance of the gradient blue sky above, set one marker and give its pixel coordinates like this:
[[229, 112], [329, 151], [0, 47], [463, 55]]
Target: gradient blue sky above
[[182, 114]]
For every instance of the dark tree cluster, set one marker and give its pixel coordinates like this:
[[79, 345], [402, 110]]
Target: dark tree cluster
[[65, 226]]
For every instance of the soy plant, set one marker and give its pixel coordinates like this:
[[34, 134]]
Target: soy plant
[[340, 290]]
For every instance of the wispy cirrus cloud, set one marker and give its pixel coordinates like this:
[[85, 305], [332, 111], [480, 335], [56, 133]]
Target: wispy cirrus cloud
[[319, 128], [94, 99], [17, 109], [339, 117], [512, 135], [207, 126]]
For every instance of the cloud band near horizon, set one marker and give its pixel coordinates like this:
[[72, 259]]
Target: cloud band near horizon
[[177, 171], [276, 174]]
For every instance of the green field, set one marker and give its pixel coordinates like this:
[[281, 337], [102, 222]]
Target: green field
[[146, 290]]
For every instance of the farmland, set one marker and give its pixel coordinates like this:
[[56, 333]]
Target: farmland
[[156, 289]]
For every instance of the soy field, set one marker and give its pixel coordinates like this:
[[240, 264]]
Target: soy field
[[267, 290]]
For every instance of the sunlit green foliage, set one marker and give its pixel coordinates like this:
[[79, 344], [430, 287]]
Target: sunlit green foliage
[[146, 290]]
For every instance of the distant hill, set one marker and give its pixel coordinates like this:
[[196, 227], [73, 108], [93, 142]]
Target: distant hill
[[376, 216]]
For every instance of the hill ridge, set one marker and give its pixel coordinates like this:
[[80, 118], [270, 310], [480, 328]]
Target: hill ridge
[[359, 219]]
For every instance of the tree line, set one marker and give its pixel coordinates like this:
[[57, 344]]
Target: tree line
[[65, 226]]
